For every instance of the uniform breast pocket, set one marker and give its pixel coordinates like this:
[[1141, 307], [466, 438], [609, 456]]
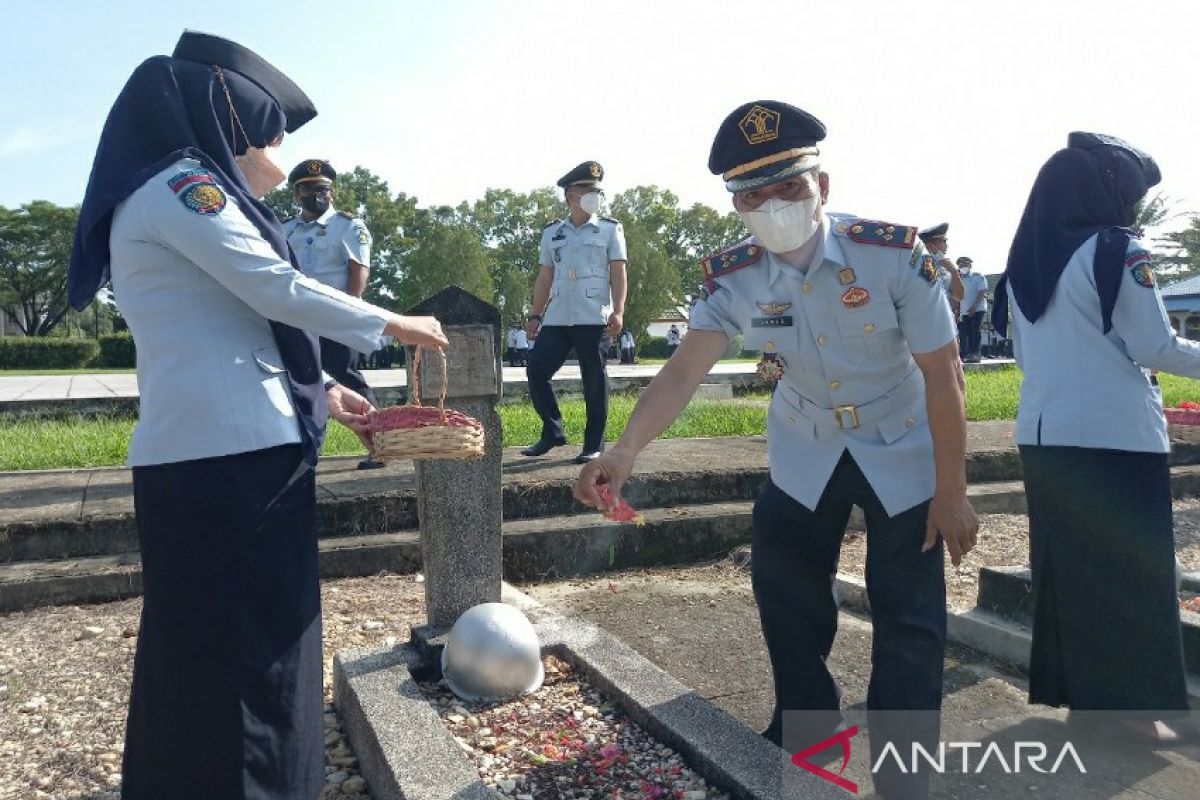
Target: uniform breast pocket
[[870, 333], [783, 339], [596, 255]]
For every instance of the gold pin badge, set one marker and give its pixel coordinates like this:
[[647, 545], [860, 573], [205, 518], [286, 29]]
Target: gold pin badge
[[847, 276], [773, 308]]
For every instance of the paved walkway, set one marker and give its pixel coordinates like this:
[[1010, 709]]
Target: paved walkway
[[43, 388]]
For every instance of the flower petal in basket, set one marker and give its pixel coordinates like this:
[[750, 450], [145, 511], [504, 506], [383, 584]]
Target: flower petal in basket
[[425, 432]]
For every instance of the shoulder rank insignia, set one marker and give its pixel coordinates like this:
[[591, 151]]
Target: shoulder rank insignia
[[1139, 267], [727, 261], [198, 191], [610, 219], [345, 214], [870, 231], [551, 222]]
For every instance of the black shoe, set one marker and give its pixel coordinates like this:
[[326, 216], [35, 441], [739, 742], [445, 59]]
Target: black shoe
[[543, 446], [370, 463], [587, 455]]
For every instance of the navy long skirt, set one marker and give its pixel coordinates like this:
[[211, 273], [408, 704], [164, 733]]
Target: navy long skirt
[[1106, 631], [226, 699]]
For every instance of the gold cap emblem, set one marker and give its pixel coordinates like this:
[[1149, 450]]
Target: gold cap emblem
[[760, 125]]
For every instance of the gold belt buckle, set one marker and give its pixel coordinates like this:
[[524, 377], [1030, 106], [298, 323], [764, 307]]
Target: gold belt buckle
[[842, 413]]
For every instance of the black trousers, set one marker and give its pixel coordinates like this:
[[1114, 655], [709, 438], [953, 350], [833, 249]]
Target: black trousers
[[550, 350], [338, 360], [794, 564], [227, 699], [1106, 629], [969, 334]]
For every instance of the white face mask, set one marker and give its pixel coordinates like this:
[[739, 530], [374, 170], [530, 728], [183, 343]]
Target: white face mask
[[590, 202], [782, 226], [261, 172]]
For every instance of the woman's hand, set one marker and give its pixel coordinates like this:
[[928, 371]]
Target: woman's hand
[[611, 468], [352, 410], [421, 331]]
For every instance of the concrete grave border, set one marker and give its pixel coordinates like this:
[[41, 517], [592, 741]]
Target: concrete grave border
[[405, 751]]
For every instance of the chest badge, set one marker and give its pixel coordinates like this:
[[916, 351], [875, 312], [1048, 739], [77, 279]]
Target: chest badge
[[773, 308], [846, 276], [770, 368], [856, 297], [321, 232]]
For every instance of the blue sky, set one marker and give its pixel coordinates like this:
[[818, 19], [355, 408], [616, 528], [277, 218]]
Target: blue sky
[[936, 110]]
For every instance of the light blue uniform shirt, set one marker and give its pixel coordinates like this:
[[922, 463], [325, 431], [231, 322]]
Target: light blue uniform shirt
[[846, 330], [974, 288], [198, 284], [1085, 388], [581, 293], [325, 247]]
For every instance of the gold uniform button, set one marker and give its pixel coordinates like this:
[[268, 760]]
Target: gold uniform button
[[807, 288], [835, 385], [869, 328], [768, 346], [822, 340], [908, 423]]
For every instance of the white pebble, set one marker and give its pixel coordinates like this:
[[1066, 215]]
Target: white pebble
[[372, 625], [419, 578], [337, 777], [90, 632], [508, 785]]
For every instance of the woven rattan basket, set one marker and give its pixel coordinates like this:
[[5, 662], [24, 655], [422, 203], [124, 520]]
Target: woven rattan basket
[[425, 431]]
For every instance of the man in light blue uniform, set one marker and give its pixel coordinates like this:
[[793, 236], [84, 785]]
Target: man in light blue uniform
[[578, 304], [852, 323], [974, 309], [334, 248]]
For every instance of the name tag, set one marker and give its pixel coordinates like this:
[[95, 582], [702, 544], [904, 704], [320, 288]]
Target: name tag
[[771, 322]]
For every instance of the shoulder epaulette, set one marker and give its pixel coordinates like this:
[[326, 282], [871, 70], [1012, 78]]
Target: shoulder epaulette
[[345, 214], [610, 219], [727, 261], [551, 222], [873, 231], [287, 219]]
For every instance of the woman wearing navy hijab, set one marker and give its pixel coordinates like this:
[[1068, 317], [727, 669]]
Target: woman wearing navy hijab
[[1089, 325], [227, 694]]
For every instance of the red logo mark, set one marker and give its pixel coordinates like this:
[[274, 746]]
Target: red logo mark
[[855, 297], [843, 738]]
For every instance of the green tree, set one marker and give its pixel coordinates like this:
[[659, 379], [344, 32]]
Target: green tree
[[653, 281], [510, 225], [1179, 251], [35, 250], [446, 254], [703, 231]]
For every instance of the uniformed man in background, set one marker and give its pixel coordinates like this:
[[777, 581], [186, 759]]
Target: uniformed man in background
[[936, 243], [868, 410], [334, 248], [974, 309], [578, 304]]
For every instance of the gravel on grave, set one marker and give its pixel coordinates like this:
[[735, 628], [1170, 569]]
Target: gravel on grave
[[565, 741]]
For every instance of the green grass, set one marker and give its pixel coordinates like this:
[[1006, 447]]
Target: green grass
[[92, 442]]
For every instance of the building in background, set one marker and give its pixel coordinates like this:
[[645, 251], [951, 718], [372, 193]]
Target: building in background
[[1182, 300]]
